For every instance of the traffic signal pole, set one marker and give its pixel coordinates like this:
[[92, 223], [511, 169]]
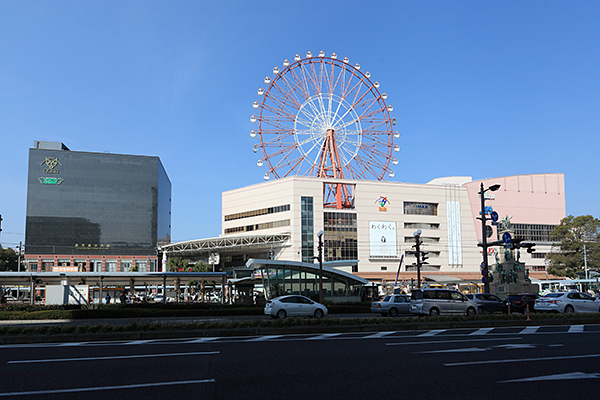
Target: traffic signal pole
[[486, 283]]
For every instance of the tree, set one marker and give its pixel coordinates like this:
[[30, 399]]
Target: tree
[[570, 236], [8, 259], [177, 264]]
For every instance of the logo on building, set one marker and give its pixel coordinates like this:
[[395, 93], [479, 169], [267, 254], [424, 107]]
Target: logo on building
[[383, 202], [51, 163], [52, 180]]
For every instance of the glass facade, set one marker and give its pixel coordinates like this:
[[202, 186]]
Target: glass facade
[[340, 239], [308, 235], [96, 203], [531, 232]]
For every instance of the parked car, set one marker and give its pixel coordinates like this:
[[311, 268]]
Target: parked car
[[568, 302], [519, 302], [392, 305], [434, 302], [486, 302], [294, 306]]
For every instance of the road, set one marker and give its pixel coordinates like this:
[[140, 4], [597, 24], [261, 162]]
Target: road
[[517, 362]]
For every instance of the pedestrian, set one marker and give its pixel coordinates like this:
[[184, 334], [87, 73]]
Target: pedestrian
[[107, 298], [123, 298]]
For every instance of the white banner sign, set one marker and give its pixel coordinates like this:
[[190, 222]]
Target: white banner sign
[[382, 238]]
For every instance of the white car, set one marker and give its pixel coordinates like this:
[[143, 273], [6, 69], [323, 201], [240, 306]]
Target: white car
[[294, 306], [568, 302]]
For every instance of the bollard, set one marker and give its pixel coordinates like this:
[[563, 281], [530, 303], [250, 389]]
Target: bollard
[[528, 313], [508, 307]]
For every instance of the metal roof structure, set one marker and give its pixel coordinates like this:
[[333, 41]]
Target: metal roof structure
[[106, 278], [329, 268], [227, 244]]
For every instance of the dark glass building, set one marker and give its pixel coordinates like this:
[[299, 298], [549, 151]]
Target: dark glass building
[[95, 211]]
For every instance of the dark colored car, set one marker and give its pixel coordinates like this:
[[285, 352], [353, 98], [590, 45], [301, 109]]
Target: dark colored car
[[519, 302], [486, 302]]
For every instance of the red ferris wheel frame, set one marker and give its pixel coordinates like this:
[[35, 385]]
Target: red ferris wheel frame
[[320, 116]]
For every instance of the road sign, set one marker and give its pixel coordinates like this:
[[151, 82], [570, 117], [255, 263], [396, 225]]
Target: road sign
[[483, 279], [506, 238], [494, 216]]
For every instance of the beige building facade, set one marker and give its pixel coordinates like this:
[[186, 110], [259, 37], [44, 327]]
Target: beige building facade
[[378, 227]]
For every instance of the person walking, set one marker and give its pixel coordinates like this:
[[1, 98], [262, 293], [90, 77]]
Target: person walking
[[107, 298]]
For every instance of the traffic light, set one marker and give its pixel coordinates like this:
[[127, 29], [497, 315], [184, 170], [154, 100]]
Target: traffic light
[[0, 222], [424, 257]]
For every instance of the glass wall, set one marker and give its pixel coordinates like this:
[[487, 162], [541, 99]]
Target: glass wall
[[308, 235], [340, 239], [80, 203]]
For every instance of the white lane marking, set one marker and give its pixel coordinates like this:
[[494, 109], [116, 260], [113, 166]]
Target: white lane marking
[[466, 350], [98, 388], [49, 360], [263, 338], [517, 346], [529, 330], [202, 340], [481, 331], [432, 333], [571, 375], [521, 360], [576, 328], [453, 341], [72, 344], [379, 335], [134, 342], [324, 336]]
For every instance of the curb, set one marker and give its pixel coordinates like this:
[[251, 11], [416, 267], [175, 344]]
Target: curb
[[292, 330]]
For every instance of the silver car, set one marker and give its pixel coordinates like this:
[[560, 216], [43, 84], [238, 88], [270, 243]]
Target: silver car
[[294, 306], [568, 302], [392, 305], [435, 302]]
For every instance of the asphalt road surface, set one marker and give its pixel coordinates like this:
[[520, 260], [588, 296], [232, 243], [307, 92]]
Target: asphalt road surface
[[548, 362]]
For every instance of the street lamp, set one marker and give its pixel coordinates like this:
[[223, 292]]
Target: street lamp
[[486, 280], [320, 258]]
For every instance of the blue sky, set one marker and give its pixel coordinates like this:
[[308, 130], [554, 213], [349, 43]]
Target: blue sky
[[479, 88]]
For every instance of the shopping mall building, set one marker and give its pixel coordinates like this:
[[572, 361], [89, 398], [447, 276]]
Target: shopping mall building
[[279, 221]]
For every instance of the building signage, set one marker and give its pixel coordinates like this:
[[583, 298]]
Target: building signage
[[51, 163], [382, 238], [383, 202], [50, 180]]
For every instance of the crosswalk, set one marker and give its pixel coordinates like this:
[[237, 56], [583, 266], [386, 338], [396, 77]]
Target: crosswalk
[[434, 334]]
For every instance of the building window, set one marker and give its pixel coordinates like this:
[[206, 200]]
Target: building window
[[420, 225], [255, 213], [340, 239], [384, 268], [257, 227], [414, 208], [424, 239], [307, 226], [531, 232], [539, 255]]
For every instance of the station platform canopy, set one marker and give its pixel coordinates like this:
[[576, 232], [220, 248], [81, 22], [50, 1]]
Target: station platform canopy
[[105, 278]]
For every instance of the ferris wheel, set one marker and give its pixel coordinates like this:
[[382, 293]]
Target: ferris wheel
[[321, 116]]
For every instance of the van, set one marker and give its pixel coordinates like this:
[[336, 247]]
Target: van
[[436, 302]]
